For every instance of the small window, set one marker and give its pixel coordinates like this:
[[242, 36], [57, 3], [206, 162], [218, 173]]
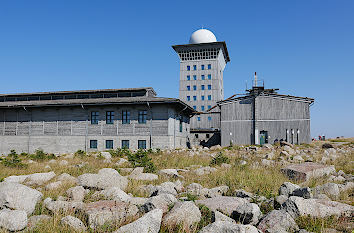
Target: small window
[[142, 117], [195, 98], [209, 87], [202, 67], [198, 118], [203, 108], [203, 87], [194, 77], [209, 66], [180, 125], [93, 144], [188, 98], [94, 117], [188, 88], [195, 107], [209, 107], [194, 67], [109, 144], [141, 144], [188, 77], [194, 88], [209, 97], [125, 144], [203, 77], [196, 136], [209, 118], [209, 76], [188, 67], [125, 117], [207, 135], [203, 97], [109, 117]]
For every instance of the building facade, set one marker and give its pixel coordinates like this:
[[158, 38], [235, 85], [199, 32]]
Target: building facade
[[62, 122]]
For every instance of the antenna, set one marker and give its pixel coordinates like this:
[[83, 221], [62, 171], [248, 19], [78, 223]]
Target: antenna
[[246, 85], [255, 79]]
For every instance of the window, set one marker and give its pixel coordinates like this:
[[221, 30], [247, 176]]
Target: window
[[93, 144], [209, 97], [209, 118], [195, 107], [209, 107], [194, 87], [209, 76], [109, 117], [196, 135], [194, 77], [142, 117], [207, 135], [203, 87], [94, 117], [188, 77], [188, 98], [209, 87], [202, 67], [203, 97], [209, 66], [141, 144], [188, 67], [125, 144], [180, 125], [198, 118], [194, 67], [203, 108], [109, 144], [203, 77], [195, 98], [188, 88], [125, 117]]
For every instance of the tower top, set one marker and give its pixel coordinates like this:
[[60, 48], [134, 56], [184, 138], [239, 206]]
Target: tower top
[[202, 36]]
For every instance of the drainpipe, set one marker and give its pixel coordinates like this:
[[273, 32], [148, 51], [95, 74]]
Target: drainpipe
[[150, 124]]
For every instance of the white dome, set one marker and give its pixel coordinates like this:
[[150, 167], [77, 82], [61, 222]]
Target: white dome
[[202, 36]]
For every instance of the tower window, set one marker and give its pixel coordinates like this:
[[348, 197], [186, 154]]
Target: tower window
[[195, 98], [198, 118], [125, 144], [188, 88], [125, 117], [109, 117], [180, 125], [207, 135], [142, 117], [203, 108], [209, 87], [109, 144], [196, 135], [195, 107], [203, 77], [209, 97], [142, 144], [203, 97], [209, 118], [188, 77], [188, 67], [209, 76], [188, 98], [209, 66], [194, 88], [93, 144], [94, 117], [194, 77], [203, 87], [209, 107], [202, 67], [194, 67]]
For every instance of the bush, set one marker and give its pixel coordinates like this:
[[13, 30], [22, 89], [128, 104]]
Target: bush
[[12, 160], [41, 155], [141, 159], [120, 152], [80, 153], [219, 159]]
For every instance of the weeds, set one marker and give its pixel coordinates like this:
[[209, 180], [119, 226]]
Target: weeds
[[13, 160], [219, 159], [141, 159]]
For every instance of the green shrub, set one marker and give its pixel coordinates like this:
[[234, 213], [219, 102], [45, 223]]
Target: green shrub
[[219, 159], [120, 152], [13, 160], [80, 153], [207, 216], [141, 159], [40, 155]]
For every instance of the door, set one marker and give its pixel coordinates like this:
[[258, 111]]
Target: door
[[263, 137]]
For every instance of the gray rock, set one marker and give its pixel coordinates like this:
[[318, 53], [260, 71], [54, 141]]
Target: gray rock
[[194, 189], [121, 161], [266, 162], [243, 194], [248, 213], [302, 192], [149, 223], [73, 222], [65, 177], [330, 189], [223, 203], [173, 173], [217, 191], [13, 220], [228, 227], [53, 185], [62, 206], [106, 155], [184, 213], [63, 163], [161, 201], [204, 170], [33, 221], [106, 178], [19, 197], [287, 188], [345, 187], [137, 174], [218, 216], [16, 179], [307, 170], [114, 193], [39, 178], [297, 206], [226, 165], [76, 193], [166, 187], [279, 200], [278, 221]]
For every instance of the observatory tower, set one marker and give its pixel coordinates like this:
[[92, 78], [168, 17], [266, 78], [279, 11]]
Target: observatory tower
[[202, 62]]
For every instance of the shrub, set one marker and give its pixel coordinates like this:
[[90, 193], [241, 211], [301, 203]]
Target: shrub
[[207, 216], [141, 159], [12, 160], [219, 159], [80, 153], [120, 152], [41, 155]]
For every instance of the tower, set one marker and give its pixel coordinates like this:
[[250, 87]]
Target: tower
[[202, 63]]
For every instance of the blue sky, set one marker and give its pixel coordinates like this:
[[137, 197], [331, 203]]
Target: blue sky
[[304, 48]]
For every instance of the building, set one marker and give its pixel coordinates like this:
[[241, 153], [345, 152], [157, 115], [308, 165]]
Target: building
[[264, 116], [202, 63], [94, 120]]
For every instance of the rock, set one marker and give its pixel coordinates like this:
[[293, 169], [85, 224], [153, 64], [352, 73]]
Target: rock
[[106, 155], [143, 176], [345, 187], [289, 149], [279, 200], [226, 165], [106, 178], [298, 206], [53, 185], [287, 188], [65, 177], [62, 206], [268, 146], [172, 173], [73, 222], [16, 179], [270, 156], [330, 189], [166, 187], [302, 192], [266, 162], [243, 162], [149, 223], [248, 213], [327, 146], [284, 154], [278, 221], [76, 193], [204, 170], [114, 212], [63, 163], [298, 158], [284, 143], [47, 167], [114, 193], [138, 201], [185, 213], [161, 201], [217, 191], [307, 170], [243, 194], [13, 220], [339, 179], [33, 221], [223, 203], [39, 178], [19, 197], [218, 216], [228, 227], [194, 189], [121, 161]]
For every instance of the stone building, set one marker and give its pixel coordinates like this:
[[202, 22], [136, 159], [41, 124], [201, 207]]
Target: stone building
[[94, 120]]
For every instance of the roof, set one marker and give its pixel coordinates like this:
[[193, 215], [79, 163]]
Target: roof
[[226, 53]]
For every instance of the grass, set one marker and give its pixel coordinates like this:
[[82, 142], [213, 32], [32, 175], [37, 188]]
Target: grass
[[318, 225]]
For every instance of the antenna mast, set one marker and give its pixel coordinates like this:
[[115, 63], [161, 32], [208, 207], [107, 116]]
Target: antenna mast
[[255, 79]]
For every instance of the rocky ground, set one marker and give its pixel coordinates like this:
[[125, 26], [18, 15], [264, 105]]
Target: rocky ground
[[280, 188]]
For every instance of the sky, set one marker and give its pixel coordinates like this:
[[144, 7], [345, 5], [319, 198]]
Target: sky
[[303, 47]]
